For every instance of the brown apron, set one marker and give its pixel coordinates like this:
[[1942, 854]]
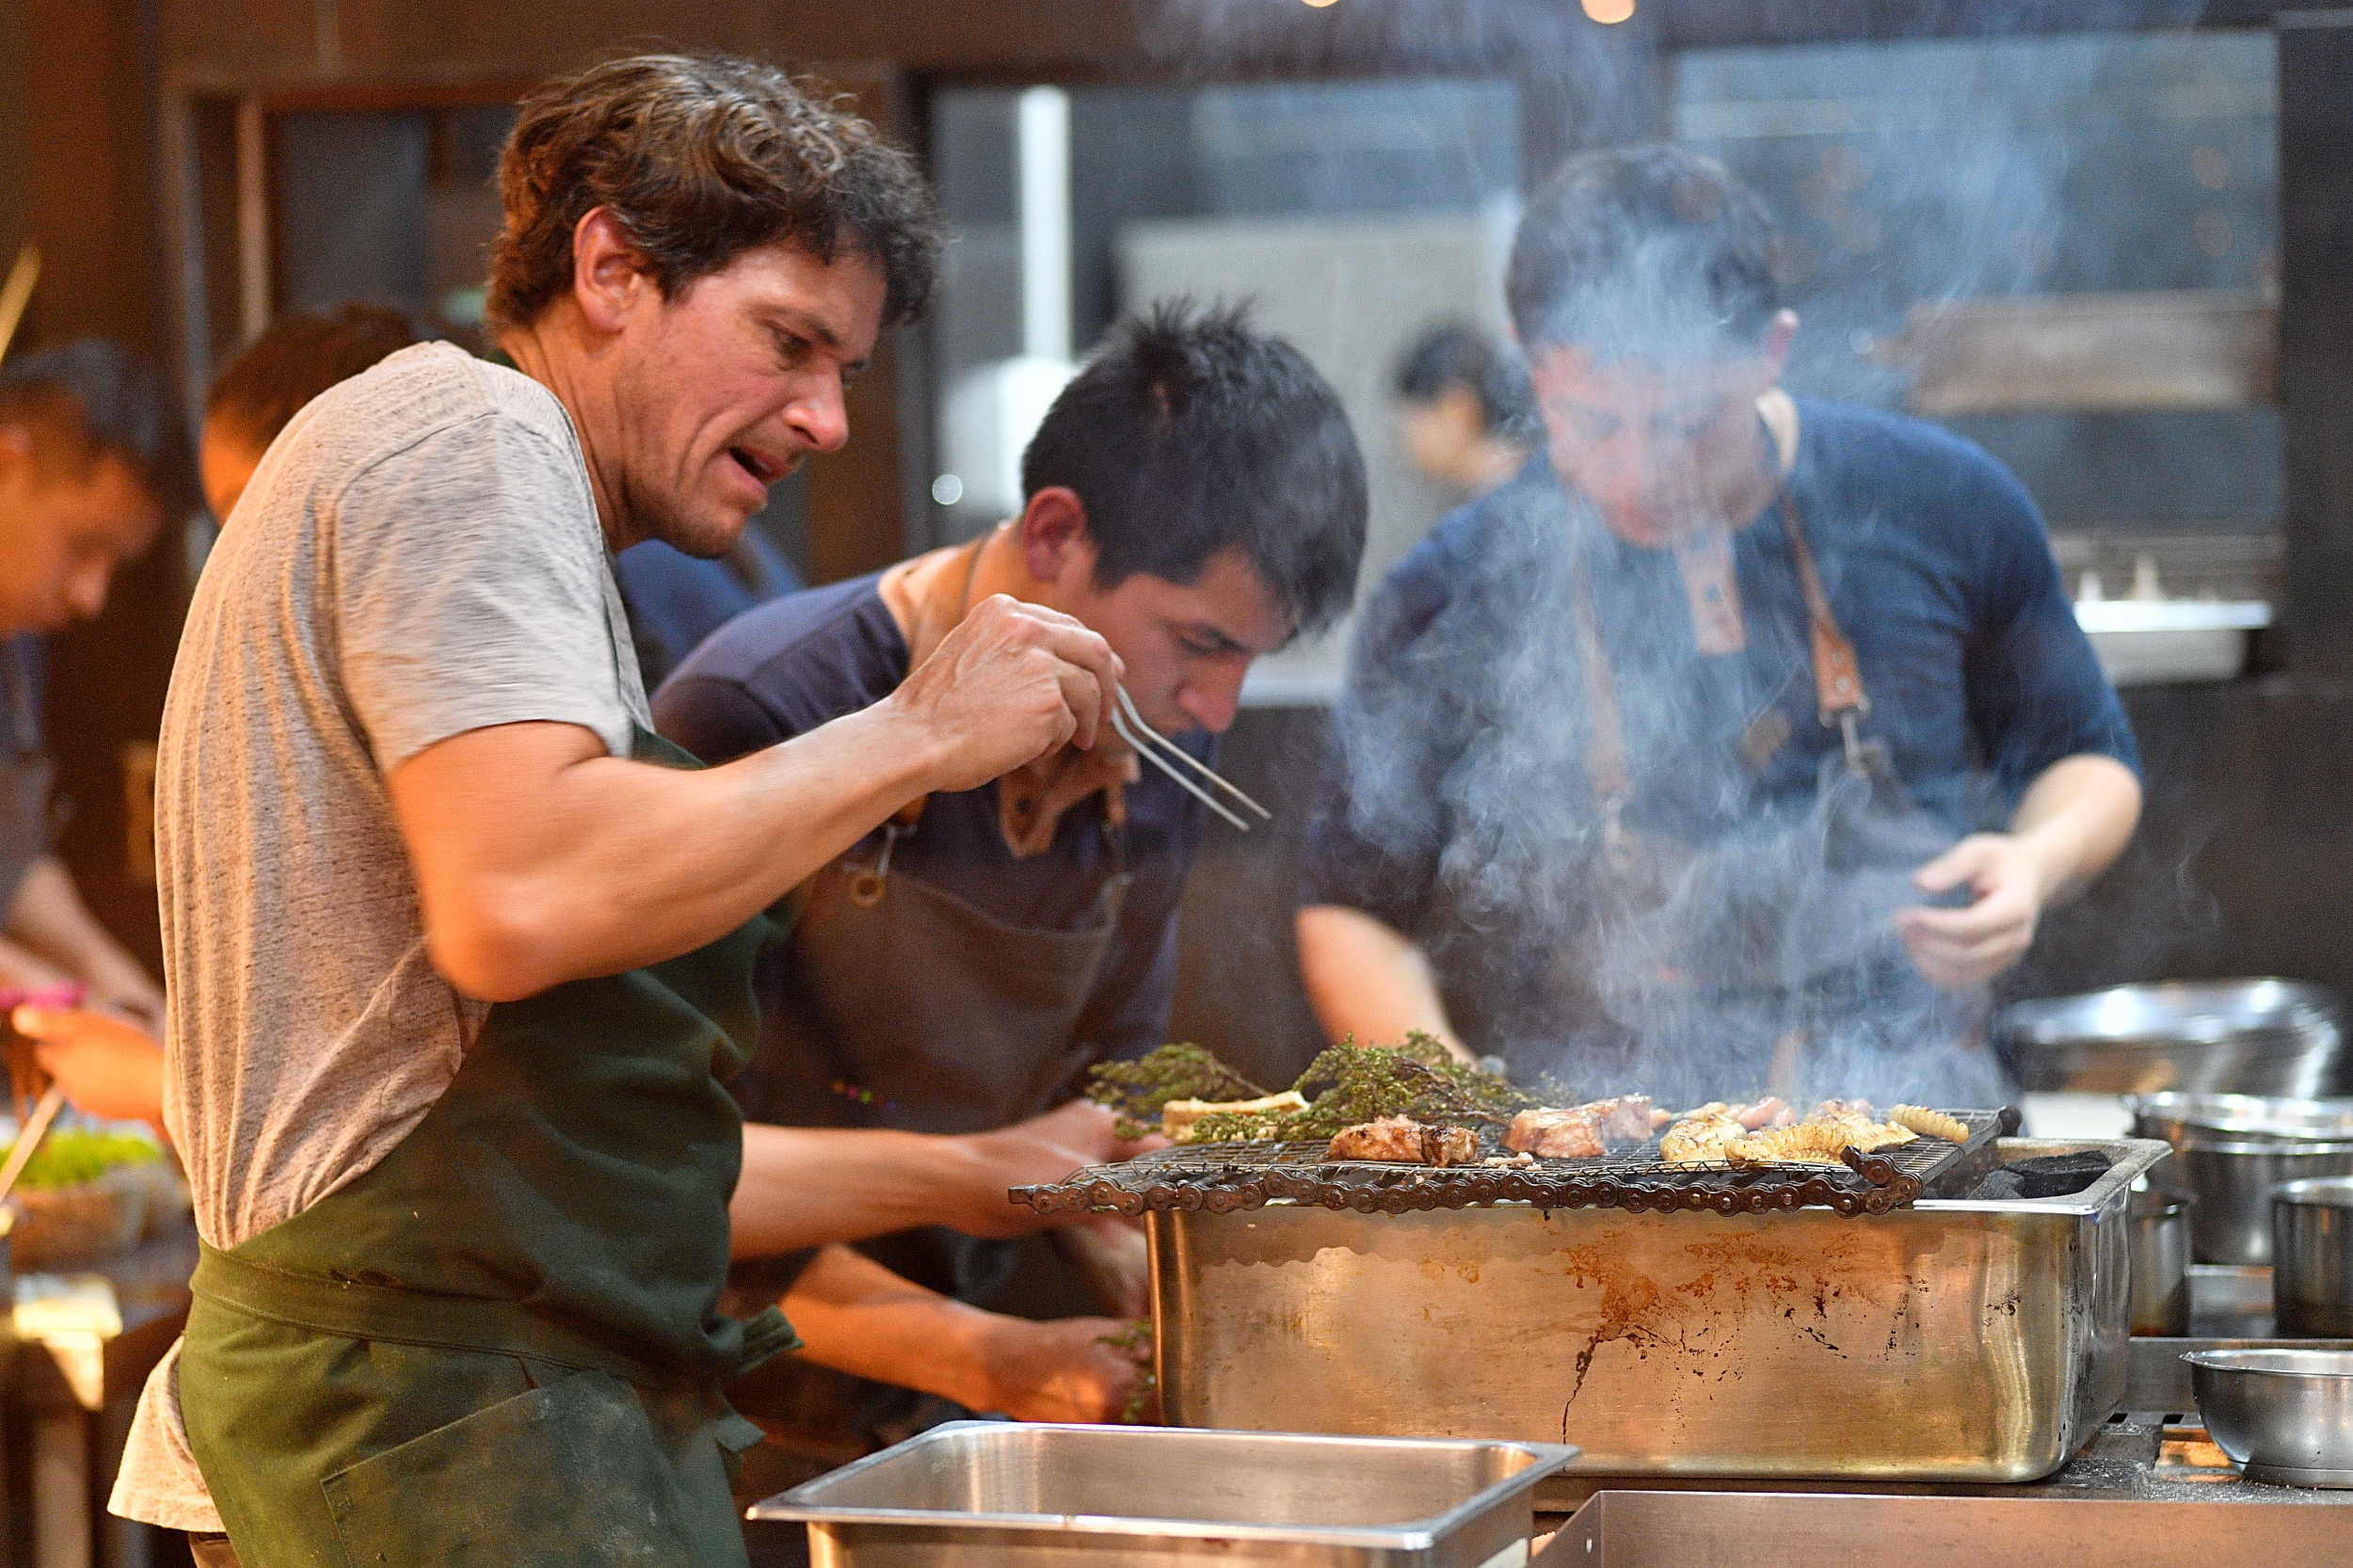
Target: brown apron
[[1766, 945], [901, 1005]]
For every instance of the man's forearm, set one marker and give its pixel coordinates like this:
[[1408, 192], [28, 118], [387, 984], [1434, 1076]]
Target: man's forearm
[[855, 1316], [2077, 815], [1368, 981], [49, 918], [541, 859], [804, 1186]]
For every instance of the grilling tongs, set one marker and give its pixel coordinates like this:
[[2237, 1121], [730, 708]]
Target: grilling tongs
[[1156, 748]]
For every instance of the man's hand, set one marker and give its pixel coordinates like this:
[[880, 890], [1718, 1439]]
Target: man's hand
[[1012, 682], [109, 1067], [1060, 1371], [1031, 1154], [2072, 822], [1110, 1250], [1958, 949]]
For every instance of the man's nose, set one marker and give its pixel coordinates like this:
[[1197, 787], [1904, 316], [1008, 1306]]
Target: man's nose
[[821, 416], [1210, 697]]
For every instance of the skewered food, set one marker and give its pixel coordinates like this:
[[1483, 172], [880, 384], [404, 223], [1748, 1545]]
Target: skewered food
[[1930, 1124], [1404, 1139], [1582, 1131], [1182, 1119], [1817, 1143]]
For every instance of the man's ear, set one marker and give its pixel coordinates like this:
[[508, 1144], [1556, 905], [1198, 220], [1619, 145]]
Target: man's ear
[[1054, 537], [608, 274]]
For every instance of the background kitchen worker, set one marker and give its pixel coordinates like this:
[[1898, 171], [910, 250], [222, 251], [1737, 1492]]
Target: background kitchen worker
[[1196, 496], [92, 462], [1464, 410], [458, 952], [1660, 789]]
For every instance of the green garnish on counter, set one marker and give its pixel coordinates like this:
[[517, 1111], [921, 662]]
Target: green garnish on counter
[[72, 1156]]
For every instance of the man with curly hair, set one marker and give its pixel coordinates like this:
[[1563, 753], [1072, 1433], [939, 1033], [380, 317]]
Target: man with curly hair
[[460, 953]]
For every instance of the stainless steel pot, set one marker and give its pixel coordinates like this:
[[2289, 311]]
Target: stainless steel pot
[[2232, 1036], [2286, 1415], [2311, 1259], [2229, 1151], [2160, 1235]]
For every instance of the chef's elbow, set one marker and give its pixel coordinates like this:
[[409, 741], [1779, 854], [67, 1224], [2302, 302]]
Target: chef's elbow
[[499, 948]]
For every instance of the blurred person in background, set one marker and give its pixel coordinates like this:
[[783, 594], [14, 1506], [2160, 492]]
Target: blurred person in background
[[1196, 496], [93, 462], [1738, 745], [1464, 410]]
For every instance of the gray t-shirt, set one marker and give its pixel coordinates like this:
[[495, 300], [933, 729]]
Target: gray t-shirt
[[417, 557]]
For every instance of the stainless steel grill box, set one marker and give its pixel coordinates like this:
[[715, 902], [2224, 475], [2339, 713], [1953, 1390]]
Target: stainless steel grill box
[[983, 1494], [1948, 1339]]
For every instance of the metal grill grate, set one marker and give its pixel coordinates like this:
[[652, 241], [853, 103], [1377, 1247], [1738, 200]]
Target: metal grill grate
[[1223, 1178]]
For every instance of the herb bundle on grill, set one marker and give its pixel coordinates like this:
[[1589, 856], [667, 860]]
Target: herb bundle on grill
[[1137, 1090], [1345, 1085]]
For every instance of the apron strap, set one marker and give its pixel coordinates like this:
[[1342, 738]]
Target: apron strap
[[1840, 696]]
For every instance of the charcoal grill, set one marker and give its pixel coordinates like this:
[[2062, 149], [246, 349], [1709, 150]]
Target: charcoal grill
[[1222, 1179]]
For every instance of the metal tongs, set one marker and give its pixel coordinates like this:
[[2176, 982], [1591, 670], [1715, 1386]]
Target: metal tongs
[[1155, 748]]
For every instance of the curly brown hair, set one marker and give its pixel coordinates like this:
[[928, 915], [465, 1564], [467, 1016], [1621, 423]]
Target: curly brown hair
[[701, 158]]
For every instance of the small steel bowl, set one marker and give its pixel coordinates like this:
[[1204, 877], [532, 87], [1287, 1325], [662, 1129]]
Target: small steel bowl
[[2286, 1416]]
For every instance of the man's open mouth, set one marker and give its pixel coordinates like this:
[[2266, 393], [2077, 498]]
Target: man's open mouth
[[764, 471]]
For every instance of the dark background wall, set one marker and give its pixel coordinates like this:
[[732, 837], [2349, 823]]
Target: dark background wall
[[2244, 778]]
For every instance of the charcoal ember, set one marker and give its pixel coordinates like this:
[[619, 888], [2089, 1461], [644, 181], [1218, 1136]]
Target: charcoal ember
[[2057, 1176], [1999, 1186]]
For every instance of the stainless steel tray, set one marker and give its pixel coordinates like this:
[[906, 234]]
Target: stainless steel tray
[[1949, 1340], [984, 1493], [1766, 1529]]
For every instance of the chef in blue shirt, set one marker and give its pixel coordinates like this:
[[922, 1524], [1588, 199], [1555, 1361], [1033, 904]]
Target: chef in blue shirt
[[1741, 739], [1197, 497]]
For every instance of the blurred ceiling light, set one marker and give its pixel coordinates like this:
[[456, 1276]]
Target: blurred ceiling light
[[1320, 4], [1608, 12]]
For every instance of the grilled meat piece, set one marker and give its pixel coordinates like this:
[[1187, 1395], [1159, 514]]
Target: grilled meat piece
[[1701, 1138], [1582, 1131], [1405, 1141]]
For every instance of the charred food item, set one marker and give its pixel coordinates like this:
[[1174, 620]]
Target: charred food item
[[1405, 1141], [1582, 1131], [1180, 1119]]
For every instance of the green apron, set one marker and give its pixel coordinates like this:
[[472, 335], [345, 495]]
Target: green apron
[[501, 1345]]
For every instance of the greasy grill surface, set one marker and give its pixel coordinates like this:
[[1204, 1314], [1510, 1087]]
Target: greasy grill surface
[[1223, 1177]]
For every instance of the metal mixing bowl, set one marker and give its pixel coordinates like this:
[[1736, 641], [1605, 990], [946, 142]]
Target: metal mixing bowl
[[2226, 1036], [2231, 1150], [2311, 1259], [2285, 1416]]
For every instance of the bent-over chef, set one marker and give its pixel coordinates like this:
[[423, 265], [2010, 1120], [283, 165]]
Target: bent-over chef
[[1741, 740]]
